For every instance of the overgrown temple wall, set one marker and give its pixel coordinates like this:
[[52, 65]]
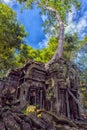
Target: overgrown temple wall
[[54, 89]]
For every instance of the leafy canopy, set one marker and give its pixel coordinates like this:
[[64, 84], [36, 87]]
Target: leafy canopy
[[56, 11], [11, 37], [11, 32], [62, 6], [71, 48]]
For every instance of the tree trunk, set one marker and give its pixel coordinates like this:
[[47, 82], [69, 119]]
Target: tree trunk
[[59, 50]]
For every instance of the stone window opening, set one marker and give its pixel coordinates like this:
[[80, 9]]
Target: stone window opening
[[24, 95], [18, 92], [22, 79], [36, 97], [32, 97], [24, 92]]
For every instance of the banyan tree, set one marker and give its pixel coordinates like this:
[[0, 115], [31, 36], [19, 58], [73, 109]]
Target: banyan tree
[[53, 88]]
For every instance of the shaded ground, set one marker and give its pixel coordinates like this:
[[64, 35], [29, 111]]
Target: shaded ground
[[11, 119]]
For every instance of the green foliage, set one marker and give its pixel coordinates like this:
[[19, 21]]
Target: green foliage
[[26, 52], [11, 32], [82, 62], [48, 52], [71, 46], [11, 37], [56, 11], [61, 6]]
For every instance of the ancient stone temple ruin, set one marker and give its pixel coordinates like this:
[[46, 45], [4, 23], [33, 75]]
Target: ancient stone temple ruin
[[31, 88], [55, 89]]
